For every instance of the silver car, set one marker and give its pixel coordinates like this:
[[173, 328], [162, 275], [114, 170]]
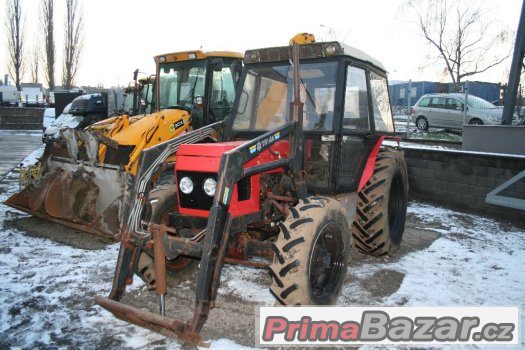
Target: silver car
[[447, 111]]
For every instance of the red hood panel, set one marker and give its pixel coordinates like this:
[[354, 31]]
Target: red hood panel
[[216, 150], [207, 149]]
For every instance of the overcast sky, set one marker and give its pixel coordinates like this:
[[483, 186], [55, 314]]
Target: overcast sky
[[121, 35]]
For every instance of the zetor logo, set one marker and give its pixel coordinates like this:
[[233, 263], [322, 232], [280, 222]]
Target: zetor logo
[[395, 325]]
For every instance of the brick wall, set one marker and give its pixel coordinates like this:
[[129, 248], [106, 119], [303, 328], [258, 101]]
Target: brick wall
[[21, 118], [463, 179]]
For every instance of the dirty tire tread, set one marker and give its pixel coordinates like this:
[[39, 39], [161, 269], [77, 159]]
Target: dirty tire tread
[[370, 229], [300, 222], [290, 245], [291, 286]]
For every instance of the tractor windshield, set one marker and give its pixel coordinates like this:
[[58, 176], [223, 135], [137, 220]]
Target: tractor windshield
[[268, 90], [181, 84]]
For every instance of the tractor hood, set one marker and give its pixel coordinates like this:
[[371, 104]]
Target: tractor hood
[[216, 150]]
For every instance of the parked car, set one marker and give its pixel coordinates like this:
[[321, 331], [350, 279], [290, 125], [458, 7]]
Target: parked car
[[444, 110]]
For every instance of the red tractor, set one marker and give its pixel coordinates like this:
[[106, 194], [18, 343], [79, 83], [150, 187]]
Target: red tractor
[[295, 176]]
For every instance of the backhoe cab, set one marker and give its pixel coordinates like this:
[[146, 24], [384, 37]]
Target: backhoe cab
[[296, 171], [85, 177]]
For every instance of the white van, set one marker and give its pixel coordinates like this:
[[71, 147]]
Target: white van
[[9, 95], [32, 94]]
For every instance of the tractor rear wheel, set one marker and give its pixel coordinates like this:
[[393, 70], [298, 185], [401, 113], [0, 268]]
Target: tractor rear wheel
[[311, 253], [382, 204], [161, 201]]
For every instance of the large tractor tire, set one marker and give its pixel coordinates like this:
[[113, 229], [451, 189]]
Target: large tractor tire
[[382, 204], [161, 201], [311, 253]]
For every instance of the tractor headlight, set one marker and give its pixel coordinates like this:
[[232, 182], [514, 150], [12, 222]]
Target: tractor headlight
[[186, 185], [209, 186]]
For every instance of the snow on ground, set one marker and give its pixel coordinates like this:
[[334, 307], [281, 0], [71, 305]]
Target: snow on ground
[[20, 132], [477, 261], [47, 289]]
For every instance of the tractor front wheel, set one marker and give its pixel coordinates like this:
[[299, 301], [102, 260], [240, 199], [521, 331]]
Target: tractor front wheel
[[161, 201], [311, 253]]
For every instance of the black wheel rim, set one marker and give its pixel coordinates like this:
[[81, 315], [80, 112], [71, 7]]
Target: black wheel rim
[[326, 263], [395, 208]]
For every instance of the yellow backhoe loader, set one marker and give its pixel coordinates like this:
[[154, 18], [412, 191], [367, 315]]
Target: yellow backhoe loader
[[83, 179]]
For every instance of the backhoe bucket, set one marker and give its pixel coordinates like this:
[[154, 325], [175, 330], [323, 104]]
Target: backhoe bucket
[[85, 197]]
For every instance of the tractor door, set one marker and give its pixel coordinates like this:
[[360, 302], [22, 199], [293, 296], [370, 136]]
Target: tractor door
[[221, 91], [356, 135]]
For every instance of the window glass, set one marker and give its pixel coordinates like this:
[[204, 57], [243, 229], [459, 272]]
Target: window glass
[[437, 102], [222, 93], [424, 102], [476, 102], [181, 82], [267, 92], [454, 104], [381, 104], [356, 100]]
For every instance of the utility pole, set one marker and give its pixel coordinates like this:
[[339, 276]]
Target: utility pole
[[409, 105], [509, 101], [465, 107]]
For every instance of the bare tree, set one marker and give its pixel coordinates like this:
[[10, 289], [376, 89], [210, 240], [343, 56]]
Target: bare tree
[[465, 43], [47, 28], [35, 60], [73, 42], [15, 24]]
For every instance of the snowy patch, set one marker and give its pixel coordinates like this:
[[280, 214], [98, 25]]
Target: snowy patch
[[245, 283], [47, 289], [476, 262], [33, 157]]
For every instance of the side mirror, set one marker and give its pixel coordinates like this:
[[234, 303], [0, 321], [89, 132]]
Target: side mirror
[[217, 64]]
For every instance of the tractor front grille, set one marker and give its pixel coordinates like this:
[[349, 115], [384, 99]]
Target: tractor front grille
[[198, 199]]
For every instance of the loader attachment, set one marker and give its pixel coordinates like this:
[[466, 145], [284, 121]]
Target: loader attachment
[[211, 251], [84, 178], [82, 196]]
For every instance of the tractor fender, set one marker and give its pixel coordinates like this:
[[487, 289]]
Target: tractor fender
[[368, 171]]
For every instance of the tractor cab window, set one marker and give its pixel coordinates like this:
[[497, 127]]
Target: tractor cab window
[[381, 103], [267, 92], [355, 115], [181, 84], [222, 93]]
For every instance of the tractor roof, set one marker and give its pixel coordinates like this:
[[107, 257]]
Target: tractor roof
[[310, 50], [195, 55]]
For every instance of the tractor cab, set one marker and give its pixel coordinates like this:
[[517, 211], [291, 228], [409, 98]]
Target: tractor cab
[[203, 83], [345, 109]]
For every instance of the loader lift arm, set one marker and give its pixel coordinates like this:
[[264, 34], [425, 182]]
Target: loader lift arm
[[213, 249]]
